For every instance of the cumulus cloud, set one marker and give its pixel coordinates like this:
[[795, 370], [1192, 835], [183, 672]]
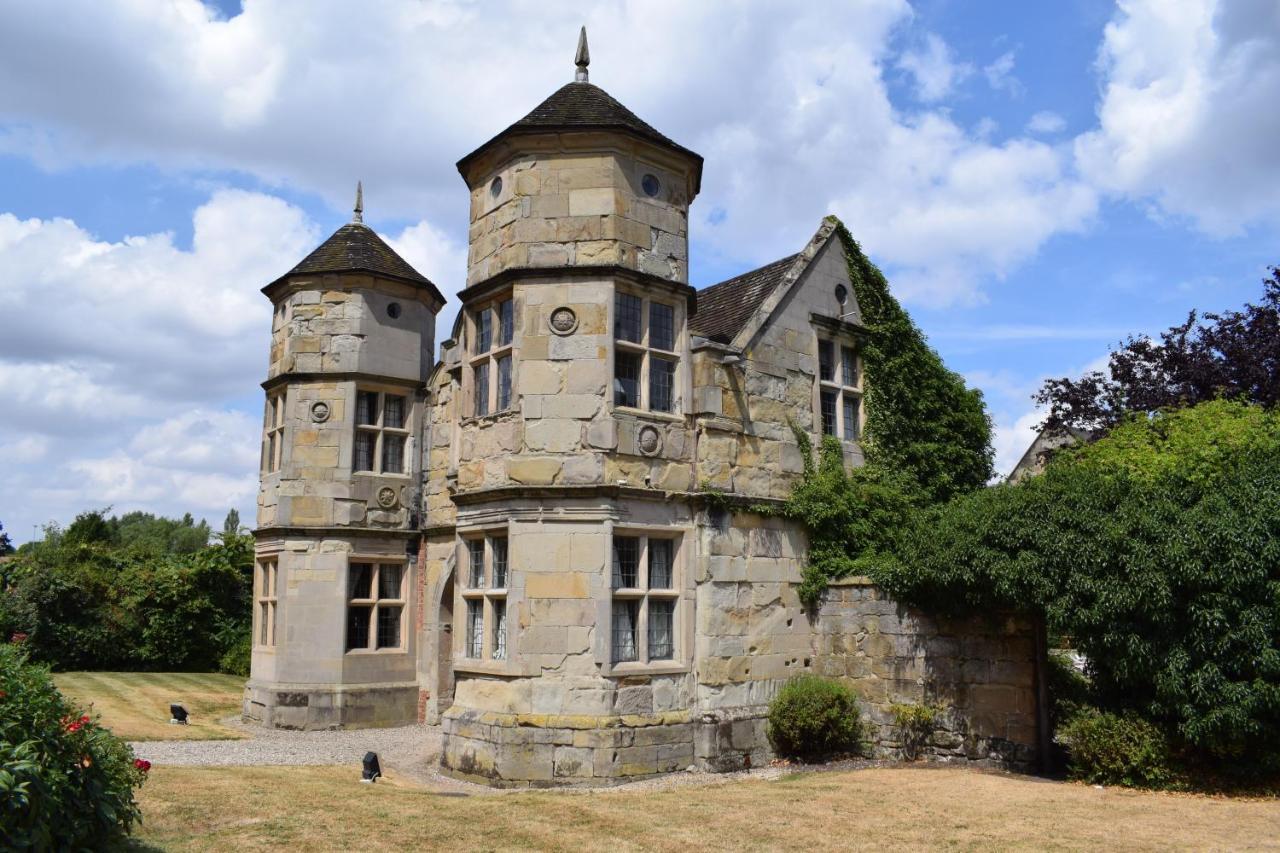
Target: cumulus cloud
[[1000, 75], [314, 94], [1046, 122], [934, 69], [1188, 113], [125, 366]]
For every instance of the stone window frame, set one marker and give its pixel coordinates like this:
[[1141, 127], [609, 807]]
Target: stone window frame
[[273, 432], [266, 593], [490, 359], [648, 353], [374, 602], [378, 430], [844, 391], [677, 594], [481, 596]]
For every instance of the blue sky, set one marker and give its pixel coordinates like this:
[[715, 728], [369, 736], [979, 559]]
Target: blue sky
[[1037, 179]]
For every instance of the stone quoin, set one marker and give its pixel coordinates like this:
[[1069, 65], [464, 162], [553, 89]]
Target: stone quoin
[[515, 539]]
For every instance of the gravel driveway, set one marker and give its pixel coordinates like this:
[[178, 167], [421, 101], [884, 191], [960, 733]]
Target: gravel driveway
[[404, 747]]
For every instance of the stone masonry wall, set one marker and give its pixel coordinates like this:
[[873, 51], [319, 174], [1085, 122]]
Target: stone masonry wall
[[561, 208], [753, 635]]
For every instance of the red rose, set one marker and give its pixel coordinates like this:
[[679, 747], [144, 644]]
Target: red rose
[[142, 764]]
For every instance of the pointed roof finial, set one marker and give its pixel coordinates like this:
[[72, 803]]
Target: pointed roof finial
[[358, 216], [582, 58]]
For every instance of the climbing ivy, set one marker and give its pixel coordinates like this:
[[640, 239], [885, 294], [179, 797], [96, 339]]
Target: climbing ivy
[[922, 420], [927, 438]]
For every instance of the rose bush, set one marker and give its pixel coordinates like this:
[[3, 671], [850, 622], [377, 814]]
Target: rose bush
[[66, 783]]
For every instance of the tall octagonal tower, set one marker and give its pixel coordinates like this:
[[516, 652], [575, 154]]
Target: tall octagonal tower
[[564, 439]]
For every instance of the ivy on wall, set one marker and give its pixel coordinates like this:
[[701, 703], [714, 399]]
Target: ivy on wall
[[922, 420]]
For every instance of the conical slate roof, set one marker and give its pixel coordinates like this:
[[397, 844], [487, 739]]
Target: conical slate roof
[[355, 247], [582, 106]]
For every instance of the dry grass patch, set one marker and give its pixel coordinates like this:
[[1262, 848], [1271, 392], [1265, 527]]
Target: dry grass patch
[[135, 705], [327, 808]]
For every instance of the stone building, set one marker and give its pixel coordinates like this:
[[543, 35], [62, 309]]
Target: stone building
[[541, 540]]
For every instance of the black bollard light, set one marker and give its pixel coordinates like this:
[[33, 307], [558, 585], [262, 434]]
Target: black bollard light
[[371, 769], [178, 714]]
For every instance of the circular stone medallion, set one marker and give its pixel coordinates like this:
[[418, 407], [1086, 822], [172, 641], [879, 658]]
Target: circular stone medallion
[[563, 320], [649, 441], [387, 497], [320, 411]]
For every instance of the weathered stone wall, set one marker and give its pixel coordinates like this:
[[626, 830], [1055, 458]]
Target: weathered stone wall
[[309, 669], [753, 635], [561, 428], [579, 202], [746, 410]]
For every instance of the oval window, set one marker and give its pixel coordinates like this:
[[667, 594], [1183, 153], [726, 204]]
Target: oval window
[[495, 187], [393, 310], [842, 294], [651, 185]]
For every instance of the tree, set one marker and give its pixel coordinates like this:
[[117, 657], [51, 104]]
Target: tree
[[91, 527], [1235, 355], [6, 545], [231, 524], [1157, 548]]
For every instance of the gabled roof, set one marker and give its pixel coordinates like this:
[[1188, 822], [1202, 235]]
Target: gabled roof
[[583, 106], [355, 247], [724, 308], [734, 311]]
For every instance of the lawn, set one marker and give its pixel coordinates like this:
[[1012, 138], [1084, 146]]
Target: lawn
[[135, 705], [907, 807]]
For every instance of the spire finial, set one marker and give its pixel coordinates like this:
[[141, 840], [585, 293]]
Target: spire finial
[[582, 58], [358, 216]]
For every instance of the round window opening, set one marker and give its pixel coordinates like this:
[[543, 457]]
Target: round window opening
[[651, 185], [393, 310], [842, 294], [495, 187]]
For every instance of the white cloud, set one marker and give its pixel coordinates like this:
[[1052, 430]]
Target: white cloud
[[1046, 122], [1188, 113], [788, 104], [935, 72], [123, 364], [1000, 75]]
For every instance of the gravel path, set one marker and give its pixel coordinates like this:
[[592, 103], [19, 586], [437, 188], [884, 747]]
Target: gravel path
[[411, 751], [403, 747]]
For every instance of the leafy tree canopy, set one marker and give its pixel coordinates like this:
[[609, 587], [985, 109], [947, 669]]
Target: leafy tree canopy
[[1156, 548], [1235, 354]]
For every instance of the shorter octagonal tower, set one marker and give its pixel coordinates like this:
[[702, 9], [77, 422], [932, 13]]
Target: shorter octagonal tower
[[337, 530]]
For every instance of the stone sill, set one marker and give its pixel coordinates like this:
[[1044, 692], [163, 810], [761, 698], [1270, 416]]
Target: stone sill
[[646, 414], [622, 670], [505, 668]]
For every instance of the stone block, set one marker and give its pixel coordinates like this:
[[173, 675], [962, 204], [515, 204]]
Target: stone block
[[557, 584], [533, 471], [599, 201]]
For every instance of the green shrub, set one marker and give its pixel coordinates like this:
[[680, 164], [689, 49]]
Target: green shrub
[[1114, 749], [65, 782], [915, 724], [1068, 689], [812, 717], [235, 660]]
